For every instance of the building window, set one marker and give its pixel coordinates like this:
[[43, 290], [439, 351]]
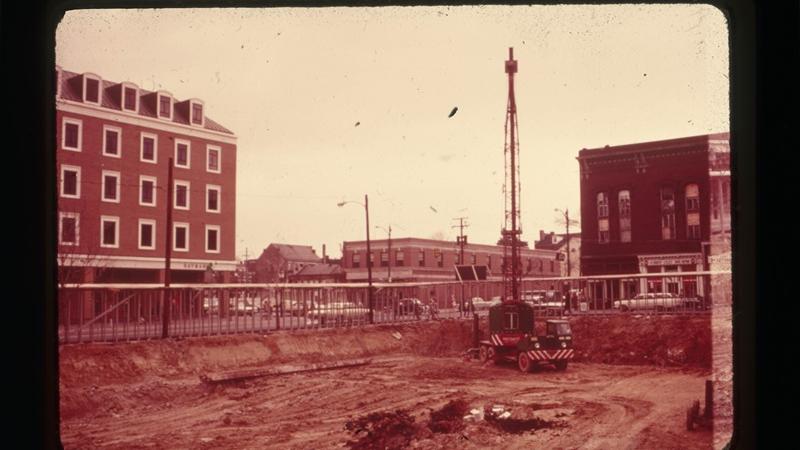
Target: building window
[[110, 186], [70, 182], [421, 259], [111, 141], [602, 218], [197, 113], [399, 258], [552, 266], [213, 198], [109, 231], [68, 227], [625, 216], [541, 265], [91, 89], [130, 98], [180, 232], [356, 260], [147, 191], [181, 195], [165, 106], [147, 234], [212, 238], [371, 260], [667, 214], [182, 154], [149, 148], [213, 159], [384, 258], [474, 259], [439, 258], [71, 134], [692, 211]]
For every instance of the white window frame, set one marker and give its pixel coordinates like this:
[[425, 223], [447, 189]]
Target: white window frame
[[114, 219], [103, 186], [209, 148], [216, 228], [88, 76], [152, 238], [154, 137], [142, 179], [158, 105], [77, 217], [188, 153], [118, 130], [193, 102], [175, 227], [77, 169], [79, 123], [188, 194], [214, 187], [127, 85]]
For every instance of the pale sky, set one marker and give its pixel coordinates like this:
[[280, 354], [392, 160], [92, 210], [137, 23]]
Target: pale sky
[[293, 82]]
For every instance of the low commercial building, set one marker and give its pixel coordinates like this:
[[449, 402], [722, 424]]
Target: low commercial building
[[417, 259]]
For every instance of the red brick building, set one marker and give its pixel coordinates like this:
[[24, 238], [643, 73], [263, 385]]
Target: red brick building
[[415, 259], [651, 208], [114, 141]]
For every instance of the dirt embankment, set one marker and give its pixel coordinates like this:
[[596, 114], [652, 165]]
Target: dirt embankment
[[629, 339]]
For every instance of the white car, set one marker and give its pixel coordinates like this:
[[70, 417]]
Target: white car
[[659, 301], [338, 312], [480, 304]]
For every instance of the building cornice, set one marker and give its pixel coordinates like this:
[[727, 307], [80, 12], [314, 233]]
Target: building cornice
[[100, 112], [143, 262]]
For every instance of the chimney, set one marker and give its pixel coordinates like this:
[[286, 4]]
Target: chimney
[[541, 235], [324, 255]]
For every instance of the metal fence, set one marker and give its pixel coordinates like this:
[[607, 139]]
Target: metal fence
[[124, 312]]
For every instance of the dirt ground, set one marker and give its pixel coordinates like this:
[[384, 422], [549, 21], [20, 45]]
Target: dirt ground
[[588, 406], [629, 387]]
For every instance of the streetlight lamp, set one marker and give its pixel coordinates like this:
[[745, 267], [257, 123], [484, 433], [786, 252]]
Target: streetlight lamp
[[567, 223], [369, 253], [389, 231]]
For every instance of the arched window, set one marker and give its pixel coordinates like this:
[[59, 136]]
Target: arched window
[[692, 211], [667, 214], [624, 216], [602, 218]]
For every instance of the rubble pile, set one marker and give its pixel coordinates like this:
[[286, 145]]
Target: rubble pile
[[382, 431]]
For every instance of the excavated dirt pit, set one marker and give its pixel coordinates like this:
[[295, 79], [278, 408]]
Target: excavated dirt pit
[[415, 393]]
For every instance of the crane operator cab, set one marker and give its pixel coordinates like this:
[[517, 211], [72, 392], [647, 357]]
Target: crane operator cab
[[512, 337]]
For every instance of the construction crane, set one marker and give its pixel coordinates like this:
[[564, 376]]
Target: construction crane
[[512, 333]]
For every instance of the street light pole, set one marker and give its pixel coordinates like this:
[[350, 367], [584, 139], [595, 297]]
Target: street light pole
[[369, 262], [369, 255]]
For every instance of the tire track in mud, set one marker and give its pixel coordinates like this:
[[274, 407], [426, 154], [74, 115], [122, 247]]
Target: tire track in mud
[[602, 407]]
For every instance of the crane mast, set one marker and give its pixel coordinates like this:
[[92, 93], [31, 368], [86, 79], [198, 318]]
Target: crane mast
[[510, 234]]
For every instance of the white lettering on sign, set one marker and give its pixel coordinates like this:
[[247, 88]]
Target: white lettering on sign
[[194, 266], [671, 262]]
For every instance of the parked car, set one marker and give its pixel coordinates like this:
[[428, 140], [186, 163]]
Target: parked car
[[211, 305], [480, 304], [245, 307], [340, 312], [410, 307], [659, 301], [549, 301]]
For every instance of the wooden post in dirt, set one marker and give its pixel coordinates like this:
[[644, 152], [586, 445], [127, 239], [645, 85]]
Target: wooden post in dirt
[[475, 330]]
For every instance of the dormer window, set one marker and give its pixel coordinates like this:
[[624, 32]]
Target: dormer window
[[196, 112], [91, 89], [130, 97], [164, 106]]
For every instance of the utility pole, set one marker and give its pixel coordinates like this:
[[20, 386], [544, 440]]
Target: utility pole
[[461, 240], [369, 263]]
